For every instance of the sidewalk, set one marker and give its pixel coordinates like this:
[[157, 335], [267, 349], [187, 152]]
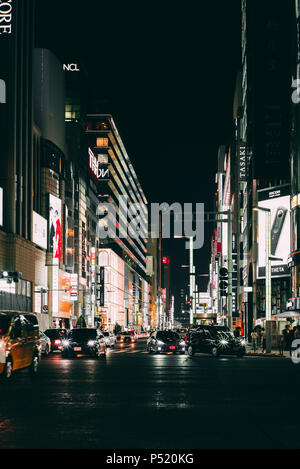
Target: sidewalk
[[258, 353]]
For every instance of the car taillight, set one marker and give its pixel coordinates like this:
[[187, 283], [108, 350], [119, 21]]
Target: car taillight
[[122, 340], [57, 341], [132, 339]]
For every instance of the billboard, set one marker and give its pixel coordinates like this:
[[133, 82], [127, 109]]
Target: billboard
[[277, 200], [39, 230], [55, 226]]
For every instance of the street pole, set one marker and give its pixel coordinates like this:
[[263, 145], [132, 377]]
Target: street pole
[[229, 297], [268, 277], [192, 279], [268, 284]]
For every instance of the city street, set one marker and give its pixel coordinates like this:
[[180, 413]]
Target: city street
[[136, 400]]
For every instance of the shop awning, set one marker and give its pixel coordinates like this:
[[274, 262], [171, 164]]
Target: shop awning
[[287, 314]]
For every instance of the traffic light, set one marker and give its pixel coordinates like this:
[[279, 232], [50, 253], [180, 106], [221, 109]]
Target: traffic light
[[11, 276], [223, 282]]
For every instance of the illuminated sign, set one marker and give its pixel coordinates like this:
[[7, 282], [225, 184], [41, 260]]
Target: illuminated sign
[[71, 68], [39, 230], [93, 166], [103, 172], [74, 287], [2, 92], [55, 226], [278, 202], [6, 17], [243, 165]]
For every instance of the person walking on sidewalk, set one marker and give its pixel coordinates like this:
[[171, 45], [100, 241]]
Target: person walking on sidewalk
[[254, 337], [287, 338], [263, 340]]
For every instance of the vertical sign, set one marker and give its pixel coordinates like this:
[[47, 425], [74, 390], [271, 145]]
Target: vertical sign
[[100, 289]]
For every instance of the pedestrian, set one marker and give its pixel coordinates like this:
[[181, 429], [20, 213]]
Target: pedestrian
[[297, 333], [254, 337], [263, 340], [287, 338]]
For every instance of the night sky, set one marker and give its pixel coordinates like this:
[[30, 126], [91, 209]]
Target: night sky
[[167, 74]]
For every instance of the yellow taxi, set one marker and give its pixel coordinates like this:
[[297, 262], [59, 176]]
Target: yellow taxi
[[20, 345]]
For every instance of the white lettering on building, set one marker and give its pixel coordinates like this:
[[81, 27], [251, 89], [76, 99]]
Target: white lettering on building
[[71, 68], [5, 17]]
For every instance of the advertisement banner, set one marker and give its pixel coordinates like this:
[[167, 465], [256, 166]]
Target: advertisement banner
[[277, 200], [55, 226], [74, 287], [39, 230], [64, 294]]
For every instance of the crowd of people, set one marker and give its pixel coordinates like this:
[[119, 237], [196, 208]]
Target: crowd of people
[[285, 339]]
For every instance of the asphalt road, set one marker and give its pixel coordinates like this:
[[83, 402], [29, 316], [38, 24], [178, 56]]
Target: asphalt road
[[136, 400]]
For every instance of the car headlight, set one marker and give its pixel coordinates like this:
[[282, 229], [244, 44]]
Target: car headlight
[[224, 342], [243, 342], [91, 343], [65, 343], [160, 342]]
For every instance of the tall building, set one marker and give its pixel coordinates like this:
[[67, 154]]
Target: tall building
[[293, 303], [22, 244], [122, 245], [260, 153]]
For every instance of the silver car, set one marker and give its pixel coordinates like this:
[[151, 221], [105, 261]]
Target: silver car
[[45, 343], [110, 338]]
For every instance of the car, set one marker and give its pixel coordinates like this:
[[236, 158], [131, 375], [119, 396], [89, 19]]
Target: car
[[84, 341], [110, 338], [56, 336], [165, 341], [126, 337], [133, 336], [215, 340], [20, 345], [45, 343]]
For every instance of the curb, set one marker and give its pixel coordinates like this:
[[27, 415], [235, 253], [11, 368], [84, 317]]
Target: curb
[[254, 354]]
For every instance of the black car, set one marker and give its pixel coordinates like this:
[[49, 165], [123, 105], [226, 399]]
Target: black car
[[84, 341], [216, 340], [56, 336], [165, 341]]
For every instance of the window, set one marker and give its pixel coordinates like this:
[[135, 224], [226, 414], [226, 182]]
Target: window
[[16, 331], [102, 159], [72, 110], [102, 142]]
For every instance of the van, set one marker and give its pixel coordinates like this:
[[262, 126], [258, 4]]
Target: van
[[20, 345]]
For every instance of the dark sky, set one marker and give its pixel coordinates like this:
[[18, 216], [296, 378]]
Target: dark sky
[[166, 71]]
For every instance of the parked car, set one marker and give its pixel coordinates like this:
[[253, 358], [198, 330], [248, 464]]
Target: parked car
[[84, 341], [110, 338], [45, 343], [20, 345], [56, 336], [165, 341], [216, 340]]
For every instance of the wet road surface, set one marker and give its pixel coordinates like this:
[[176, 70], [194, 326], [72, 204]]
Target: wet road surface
[[136, 400]]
